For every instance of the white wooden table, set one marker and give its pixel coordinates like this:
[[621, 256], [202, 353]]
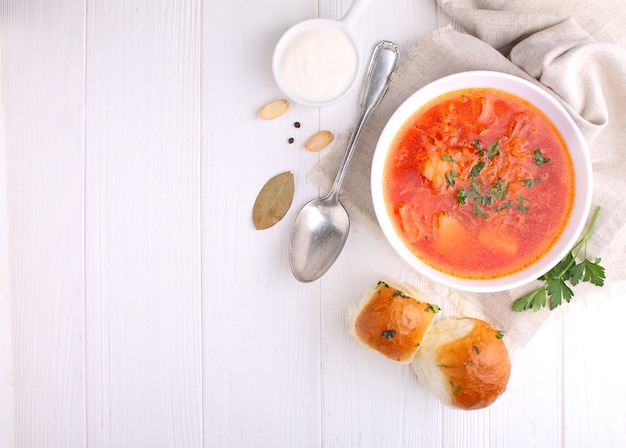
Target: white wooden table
[[146, 311]]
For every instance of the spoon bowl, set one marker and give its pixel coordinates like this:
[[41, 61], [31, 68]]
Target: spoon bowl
[[319, 233], [321, 227]]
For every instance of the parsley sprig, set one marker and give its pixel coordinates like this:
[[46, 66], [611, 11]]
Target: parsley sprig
[[555, 288]]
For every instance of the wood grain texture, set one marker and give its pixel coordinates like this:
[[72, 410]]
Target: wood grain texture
[[146, 309], [7, 378], [43, 93], [594, 391], [262, 359], [143, 257]]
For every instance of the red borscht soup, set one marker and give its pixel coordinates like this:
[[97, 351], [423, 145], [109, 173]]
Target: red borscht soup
[[478, 183]]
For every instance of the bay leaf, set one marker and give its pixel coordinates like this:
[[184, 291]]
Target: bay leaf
[[273, 201]]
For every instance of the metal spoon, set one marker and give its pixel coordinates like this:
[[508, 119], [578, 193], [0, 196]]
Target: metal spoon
[[321, 228]]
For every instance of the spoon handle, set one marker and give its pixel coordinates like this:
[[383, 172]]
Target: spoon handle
[[382, 64], [354, 11]]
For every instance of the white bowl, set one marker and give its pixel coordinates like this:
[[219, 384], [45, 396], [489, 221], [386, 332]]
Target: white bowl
[[340, 26], [561, 120]]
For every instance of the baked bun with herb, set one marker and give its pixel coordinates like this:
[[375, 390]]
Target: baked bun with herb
[[464, 362], [392, 322]]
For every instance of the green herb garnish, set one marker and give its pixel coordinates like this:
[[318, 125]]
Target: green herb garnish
[[531, 182], [493, 150], [485, 199], [479, 148], [500, 189], [500, 334], [521, 203], [476, 169], [538, 158], [505, 205], [388, 334], [476, 349], [461, 196], [555, 288], [475, 191], [451, 177], [434, 308], [489, 196], [479, 212]]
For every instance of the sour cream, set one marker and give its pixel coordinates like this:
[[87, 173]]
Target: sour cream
[[318, 63]]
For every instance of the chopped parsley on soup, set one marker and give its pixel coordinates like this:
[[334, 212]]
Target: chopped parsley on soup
[[479, 183]]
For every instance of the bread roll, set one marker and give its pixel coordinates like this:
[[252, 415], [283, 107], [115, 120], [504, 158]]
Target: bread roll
[[464, 362], [393, 323]]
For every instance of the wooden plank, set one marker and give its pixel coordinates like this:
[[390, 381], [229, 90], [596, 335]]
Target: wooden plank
[[261, 327], [594, 391], [7, 377], [43, 92], [369, 401], [143, 132]]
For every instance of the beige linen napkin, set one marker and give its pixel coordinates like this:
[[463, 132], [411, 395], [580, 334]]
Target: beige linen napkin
[[545, 43]]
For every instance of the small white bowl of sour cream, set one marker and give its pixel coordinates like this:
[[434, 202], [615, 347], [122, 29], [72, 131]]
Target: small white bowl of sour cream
[[316, 62]]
